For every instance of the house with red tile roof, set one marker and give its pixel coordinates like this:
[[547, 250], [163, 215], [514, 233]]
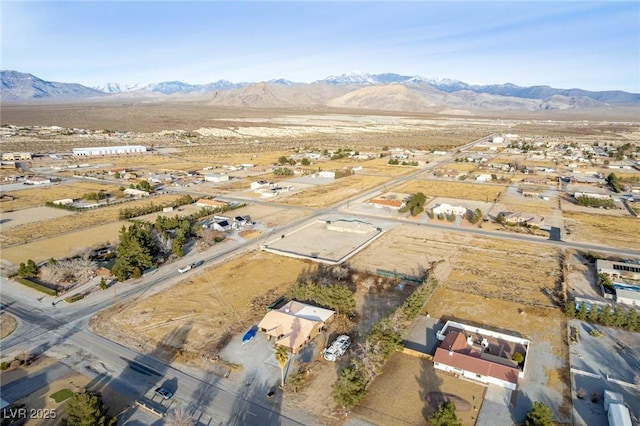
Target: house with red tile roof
[[480, 355]]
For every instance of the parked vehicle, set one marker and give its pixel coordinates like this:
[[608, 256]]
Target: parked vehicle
[[163, 393], [196, 264], [184, 269], [337, 348], [250, 334]]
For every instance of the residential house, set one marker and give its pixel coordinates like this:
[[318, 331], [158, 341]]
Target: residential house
[[37, 180], [480, 355], [136, 192], [448, 209], [211, 204], [518, 218], [295, 324], [617, 270], [216, 177]]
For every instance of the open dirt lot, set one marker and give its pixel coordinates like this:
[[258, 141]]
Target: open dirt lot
[[83, 221], [34, 214], [341, 189], [213, 303], [64, 245], [598, 228], [35, 196], [7, 324], [458, 190], [422, 389]]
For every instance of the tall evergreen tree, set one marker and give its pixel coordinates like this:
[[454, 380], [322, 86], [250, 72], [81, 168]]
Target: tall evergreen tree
[[86, 409]]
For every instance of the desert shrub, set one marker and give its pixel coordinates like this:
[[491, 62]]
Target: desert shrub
[[4, 365], [74, 298]]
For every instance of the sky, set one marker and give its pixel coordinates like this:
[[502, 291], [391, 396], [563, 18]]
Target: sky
[[592, 45]]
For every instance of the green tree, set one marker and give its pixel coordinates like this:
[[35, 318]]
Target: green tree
[[612, 180], [539, 415], [605, 318], [582, 312], [570, 309], [632, 322], [445, 415], [305, 161], [414, 204], [283, 160], [135, 251], [619, 318], [350, 388], [517, 357], [28, 270], [282, 356], [86, 409], [144, 185], [605, 280], [593, 315], [103, 283]]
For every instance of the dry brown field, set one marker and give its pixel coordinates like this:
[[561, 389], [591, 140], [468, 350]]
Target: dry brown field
[[601, 229], [213, 303], [474, 264], [30, 215], [34, 197], [462, 167], [7, 324], [458, 190], [341, 189], [78, 221], [545, 327], [61, 246], [420, 386]]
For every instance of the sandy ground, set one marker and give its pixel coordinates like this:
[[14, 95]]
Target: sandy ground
[[64, 245], [459, 190], [217, 301], [7, 324], [421, 389], [34, 214], [596, 228]]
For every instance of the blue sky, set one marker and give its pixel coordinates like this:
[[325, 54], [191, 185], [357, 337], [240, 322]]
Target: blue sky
[[590, 45]]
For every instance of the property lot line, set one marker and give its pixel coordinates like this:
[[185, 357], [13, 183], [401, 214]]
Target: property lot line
[[622, 383], [585, 373]]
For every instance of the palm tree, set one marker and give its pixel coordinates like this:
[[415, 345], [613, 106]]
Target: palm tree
[[282, 356]]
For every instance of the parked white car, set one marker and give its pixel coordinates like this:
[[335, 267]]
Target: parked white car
[[337, 348], [184, 269]]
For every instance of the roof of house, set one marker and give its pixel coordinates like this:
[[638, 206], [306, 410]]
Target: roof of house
[[213, 203], [628, 294], [293, 323], [455, 353], [383, 202]]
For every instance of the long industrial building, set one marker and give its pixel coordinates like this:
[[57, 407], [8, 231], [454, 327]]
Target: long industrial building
[[109, 150]]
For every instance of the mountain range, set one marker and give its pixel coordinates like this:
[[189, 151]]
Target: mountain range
[[385, 92]]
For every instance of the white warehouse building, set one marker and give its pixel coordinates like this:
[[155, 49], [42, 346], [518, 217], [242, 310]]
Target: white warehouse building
[[109, 150]]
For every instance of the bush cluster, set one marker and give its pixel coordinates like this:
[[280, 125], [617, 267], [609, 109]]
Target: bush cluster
[[380, 343], [605, 315]]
